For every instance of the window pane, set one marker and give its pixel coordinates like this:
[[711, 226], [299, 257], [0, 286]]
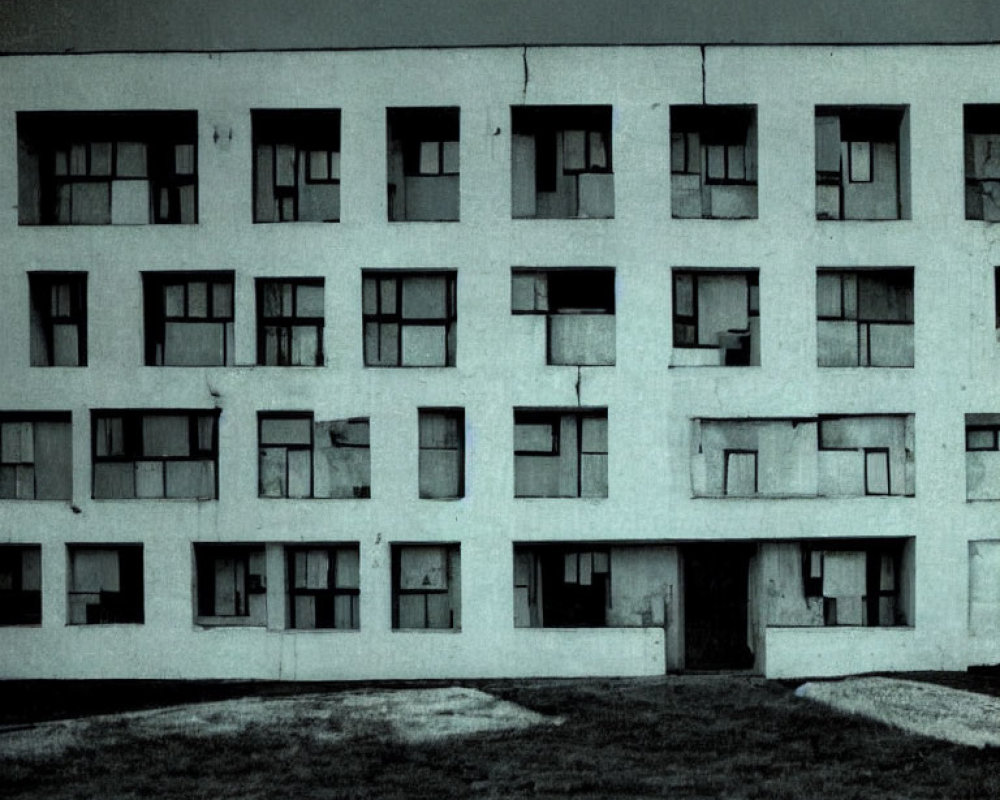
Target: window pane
[[309, 300], [278, 430], [423, 568], [980, 440], [165, 436], [424, 298], [534, 437]]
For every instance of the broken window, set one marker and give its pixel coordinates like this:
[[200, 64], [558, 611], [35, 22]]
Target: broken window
[[982, 457], [426, 586], [423, 164], [296, 175], [982, 162], [560, 453], [290, 322], [105, 584], [409, 319], [188, 319], [231, 584], [561, 586], [856, 582], [323, 586], [155, 454], [107, 168], [300, 457], [861, 162], [36, 456], [716, 318], [713, 162], [442, 453], [58, 319], [579, 309], [561, 162], [20, 585], [864, 317]]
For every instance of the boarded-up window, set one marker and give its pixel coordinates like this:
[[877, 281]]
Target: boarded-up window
[[105, 584], [324, 586], [740, 478], [409, 319], [426, 586], [231, 584], [188, 318], [20, 585], [560, 453], [58, 319], [36, 456], [423, 164], [290, 322], [442, 453], [717, 310], [858, 581]]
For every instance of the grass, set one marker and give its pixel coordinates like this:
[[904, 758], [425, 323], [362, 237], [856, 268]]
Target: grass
[[688, 737]]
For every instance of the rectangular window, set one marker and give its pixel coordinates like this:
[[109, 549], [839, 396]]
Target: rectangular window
[[296, 165], [560, 453], [36, 456], [427, 587], [409, 319], [155, 454], [982, 162], [857, 582], [561, 586], [300, 457], [442, 453], [20, 585], [982, 456], [231, 584], [58, 319], [877, 470], [423, 164], [290, 322], [105, 584], [740, 479], [188, 319], [323, 586], [716, 316]]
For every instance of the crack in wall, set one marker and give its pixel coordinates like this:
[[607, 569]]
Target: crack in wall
[[703, 88], [524, 61]]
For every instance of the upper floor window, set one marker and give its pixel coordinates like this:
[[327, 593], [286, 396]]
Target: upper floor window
[[107, 168], [561, 453], [423, 164], [36, 456], [188, 318], [579, 310], [982, 162], [58, 319], [716, 316], [442, 453], [982, 456], [864, 318], [713, 162], [409, 318], [105, 584], [862, 162], [323, 586], [296, 174], [20, 584], [561, 162], [290, 322]]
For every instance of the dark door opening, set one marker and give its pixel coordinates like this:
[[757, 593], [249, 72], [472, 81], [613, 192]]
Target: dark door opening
[[715, 606]]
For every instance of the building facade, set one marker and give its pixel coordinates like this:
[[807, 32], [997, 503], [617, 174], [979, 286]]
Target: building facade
[[499, 361]]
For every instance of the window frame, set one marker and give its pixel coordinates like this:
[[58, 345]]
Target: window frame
[[156, 318], [553, 418], [33, 417], [285, 325], [206, 554], [452, 415], [20, 607], [266, 416], [691, 320], [135, 581], [334, 552], [41, 285], [450, 550]]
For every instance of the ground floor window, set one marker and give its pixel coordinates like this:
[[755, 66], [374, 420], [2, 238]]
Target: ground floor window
[[426, 586], [105, 584]]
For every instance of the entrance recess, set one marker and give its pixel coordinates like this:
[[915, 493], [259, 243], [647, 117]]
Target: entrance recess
[[715, 606]]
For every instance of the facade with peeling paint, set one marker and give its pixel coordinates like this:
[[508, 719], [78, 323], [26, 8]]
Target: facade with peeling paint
[[499, 361]]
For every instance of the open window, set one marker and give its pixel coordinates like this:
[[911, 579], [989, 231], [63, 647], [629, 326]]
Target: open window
[[982, 162], [58, 319], [982, 456], [188, 319], [579, 310], [105, 584], [20, 584], [107, 168], [442, 453], [713, 162], [864, 318], [862, 162], [301, 457], [561, 586], [716, 316], [561, 453], [409, 318], [561, 162], [423, 164], [296, 175], [290, 322], [155, 454], [231, 581], [426, 587], [323, 587], [36, 456]]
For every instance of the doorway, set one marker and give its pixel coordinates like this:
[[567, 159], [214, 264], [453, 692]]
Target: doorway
[[715, 606]]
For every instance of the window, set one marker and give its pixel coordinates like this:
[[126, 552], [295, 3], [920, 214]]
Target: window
[[427, 587], [982, 457], [231, 584], [296, 176], [105, 584], [290, 322], [856, 582], [442, 453], [866, 455], [561, 586], [155, 454], [982, 162], [107, 168], [862, 155], [409, 319], [300, 457], [188, 318], [423, 164], [864, 318], [560, 453], [36, 456], [713, 162], [323, 587], [716, 316], [579, 309], [561, 162], [20, 585], [740, 479], [58, 319]]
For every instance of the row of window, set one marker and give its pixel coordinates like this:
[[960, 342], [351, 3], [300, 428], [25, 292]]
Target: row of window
[[118, 167], [557, 453]]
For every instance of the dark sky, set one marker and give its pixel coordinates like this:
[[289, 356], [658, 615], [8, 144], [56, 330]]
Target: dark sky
[[112, 25]]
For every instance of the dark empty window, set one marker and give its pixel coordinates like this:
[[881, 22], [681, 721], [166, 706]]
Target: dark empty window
[[561, 586], [290, 322], [105, 584], [188, 318], [409, 319], [423, 163], [20, 585], [58, 319]]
